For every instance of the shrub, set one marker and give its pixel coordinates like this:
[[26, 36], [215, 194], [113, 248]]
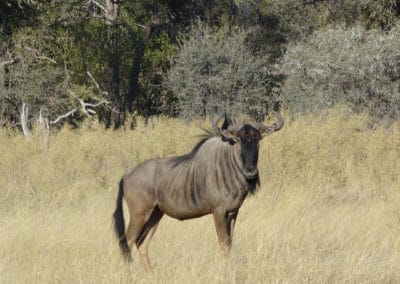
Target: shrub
[[216, 72], [357, 67]]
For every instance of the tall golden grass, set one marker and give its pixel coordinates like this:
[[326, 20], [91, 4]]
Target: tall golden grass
[[328, 209]]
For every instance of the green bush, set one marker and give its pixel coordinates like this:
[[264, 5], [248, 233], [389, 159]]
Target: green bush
[[357, 67]]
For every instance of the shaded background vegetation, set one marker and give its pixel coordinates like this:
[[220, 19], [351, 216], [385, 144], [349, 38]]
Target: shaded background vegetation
[[193, 58]]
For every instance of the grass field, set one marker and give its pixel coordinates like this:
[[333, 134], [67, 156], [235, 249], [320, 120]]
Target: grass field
[[328, 209]]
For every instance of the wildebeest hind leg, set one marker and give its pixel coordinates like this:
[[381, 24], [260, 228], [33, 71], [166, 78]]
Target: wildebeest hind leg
[[146, 234], [136, 224]]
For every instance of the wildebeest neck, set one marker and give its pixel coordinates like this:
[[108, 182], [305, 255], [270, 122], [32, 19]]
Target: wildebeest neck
[[215, 159], [189, 156]]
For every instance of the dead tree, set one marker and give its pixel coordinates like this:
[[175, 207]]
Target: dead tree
[[45, 124], [109, 8], [24, 116], [84, 107]]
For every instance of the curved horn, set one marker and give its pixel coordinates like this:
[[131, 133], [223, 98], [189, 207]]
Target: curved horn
[[227, 122], [214, 124], [280, 123], [274, 127]]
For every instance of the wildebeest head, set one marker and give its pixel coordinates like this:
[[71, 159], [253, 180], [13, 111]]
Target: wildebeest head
[[248, 137]]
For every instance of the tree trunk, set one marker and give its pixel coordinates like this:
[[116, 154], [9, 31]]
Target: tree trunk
[[134, 88], [134, 91], [24, 121], [45, 131], [115, 58]]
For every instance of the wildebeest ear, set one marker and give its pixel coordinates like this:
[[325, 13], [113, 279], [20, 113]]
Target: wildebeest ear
[[231, 135], [233, 132]]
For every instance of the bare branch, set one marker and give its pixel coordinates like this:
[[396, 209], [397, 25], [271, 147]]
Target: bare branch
[[63, 116], [110, 9], [4, 63], [101, 92], [37, 54], [107, 104], [95, 105], [47, 58], [85, 106], [94, 81], [98, 5], [112, 109]]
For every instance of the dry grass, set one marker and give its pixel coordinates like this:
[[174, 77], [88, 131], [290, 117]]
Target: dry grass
[[327, 211]]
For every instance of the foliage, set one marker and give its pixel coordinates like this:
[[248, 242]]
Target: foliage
[[355, 66], [37, 70], [33, 76], [301, 18], [129, 56], [216, 72], [157, 56]]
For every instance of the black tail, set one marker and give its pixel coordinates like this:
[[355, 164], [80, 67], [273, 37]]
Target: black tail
[[119, 223]]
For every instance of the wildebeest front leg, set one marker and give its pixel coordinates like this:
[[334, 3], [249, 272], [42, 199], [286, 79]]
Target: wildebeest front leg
[[220, 220], [230, 224]]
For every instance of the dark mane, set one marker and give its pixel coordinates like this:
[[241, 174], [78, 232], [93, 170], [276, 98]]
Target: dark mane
[[189, 156]]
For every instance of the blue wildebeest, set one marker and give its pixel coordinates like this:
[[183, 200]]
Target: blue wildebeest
[[214, 178]]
